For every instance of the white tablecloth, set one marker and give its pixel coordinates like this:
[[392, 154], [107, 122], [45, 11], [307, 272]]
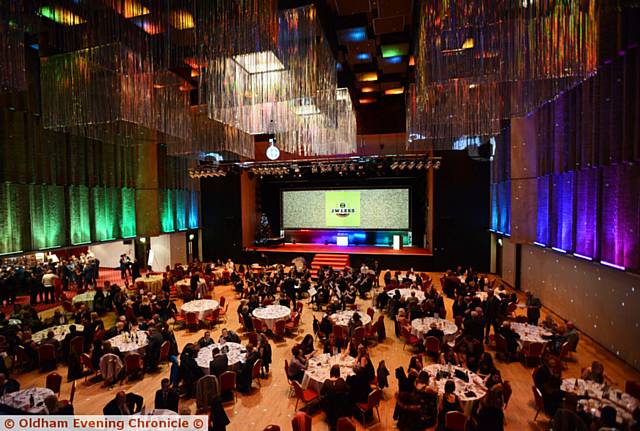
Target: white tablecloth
[[153, 283], [319, 367], [484, 295], [420, 326], [598, 398], [237, 353], [157, 412], [200, 306], [85, 298], [21, 400], [406, 293], [475, 384], [126, 342], [342, 318], [530, 333], [270, 314], [59, 332]]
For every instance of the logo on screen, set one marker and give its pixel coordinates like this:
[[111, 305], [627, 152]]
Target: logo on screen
[[343, 210]]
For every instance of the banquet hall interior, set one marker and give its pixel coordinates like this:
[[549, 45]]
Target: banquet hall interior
[[322, 214]]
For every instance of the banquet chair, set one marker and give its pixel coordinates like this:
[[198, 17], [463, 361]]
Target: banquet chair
[[522, 319], [133, 365], [358, 335], [432, 345], [192, 321], [279, 329], [301, 422], [304, 395], [71, 396], [46, 357], [532, 351], [224, 311], [21, 359], [455, 421], [409, 338], [537, 396], [164, 352], [373, 401], [289, 381], [370, 312], [253, 338], [68, 309], [502, 351], [53, 382], [212, 318], [179, 318], [371, 331], [565, 352], [77, 345], [632, 388], [338, 332], [255, 371], [257, 325], [353, 307], [345, 424], [228, 383], [87, 366], [292, 325]]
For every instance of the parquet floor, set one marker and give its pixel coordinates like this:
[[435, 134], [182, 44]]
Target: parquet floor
[[271, 405]]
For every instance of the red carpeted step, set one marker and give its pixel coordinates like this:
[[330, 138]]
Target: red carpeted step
[[335, 261]]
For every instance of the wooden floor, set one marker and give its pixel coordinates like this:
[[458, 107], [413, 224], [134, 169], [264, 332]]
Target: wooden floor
[[270, 405]]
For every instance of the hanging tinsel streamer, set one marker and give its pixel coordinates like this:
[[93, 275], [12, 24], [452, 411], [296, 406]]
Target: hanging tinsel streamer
[[12, 50]]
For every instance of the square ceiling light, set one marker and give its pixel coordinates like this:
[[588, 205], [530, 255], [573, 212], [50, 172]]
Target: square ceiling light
[[259, 62], [356, 34], [394, 91], [366, 100], [394, 50], [363, 56], [368, 76]]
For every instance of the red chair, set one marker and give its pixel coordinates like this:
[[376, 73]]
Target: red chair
[[373, 401], [223, 301], [228, 383], [409, 339], [46, 357], [502, 351], [358, 335], [258, 326], [71, 396], [87, 366], [179, 319], [433, 345], [370, 312], [224, 311], [68, 308], [77, 345], [338, 332], [253, 338], [279, 329], [632, 388], [304, 395], [255, 371], [565, 351], [133, 365], [292, 325], [164, 352], [212, 318], [532, 351], [193, 323], [537, 396], [345, 424], [301, 422], [299, 307], [455, 421], [53, 382], [286, 373]]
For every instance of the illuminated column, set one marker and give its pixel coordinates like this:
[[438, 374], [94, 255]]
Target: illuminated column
[[524, 194], [147, 193]]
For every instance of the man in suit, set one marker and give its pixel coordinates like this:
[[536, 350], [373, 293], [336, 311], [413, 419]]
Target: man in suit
[[219, 364], [123, 404], [533, 309], [491, 313], [166, 397], [206, 340], [8, 385], [246, 369], [153, 348]]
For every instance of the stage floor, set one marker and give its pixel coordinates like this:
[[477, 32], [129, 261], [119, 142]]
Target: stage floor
[[336, 249]]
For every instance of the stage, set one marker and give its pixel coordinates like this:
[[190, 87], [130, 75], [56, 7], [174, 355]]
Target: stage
[[337, 249], [408, 257]]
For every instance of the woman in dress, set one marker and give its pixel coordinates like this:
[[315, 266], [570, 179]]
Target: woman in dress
[[264, 349], [448, 403]]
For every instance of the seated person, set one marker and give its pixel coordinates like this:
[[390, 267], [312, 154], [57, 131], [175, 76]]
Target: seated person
[[206, 340], [335, 397], [8, 385], [124, 404], [55, 407], [332, 346], [298, 365], [307, 346], [220, 362], [448, 403], [166, 397], [485, 364], [595, 373], [434, 331], [228, 336], [511, 337], [548, 380], [449, 356]]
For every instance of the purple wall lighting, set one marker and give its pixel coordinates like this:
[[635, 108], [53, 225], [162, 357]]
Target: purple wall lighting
[[562, 211], [587, 212], [542, 230]]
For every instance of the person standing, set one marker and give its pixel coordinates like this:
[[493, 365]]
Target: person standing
[[533, 309], [491, 314], [48, 282]]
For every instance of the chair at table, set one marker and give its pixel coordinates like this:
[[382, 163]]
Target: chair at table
[[279, 329], [71, 396], [164, 352], [345, 424], [255, 371], [253, 338], [537, 396], [193, 323], [502, 350], [455, 421], [53, 382], [301, 422], [228, 383], [358, 335], [433, 345], [409, 338], [87, 366], [46, 357], [370, 312], [565, 351], [289, 381], [258, 326], [77, 345], [373, 401], [338, 333], [68, 309], [133, 365], [304, 395], [632, 388], [224, 311], [292, 325], [212, 318], [532, 351], [179, 319]]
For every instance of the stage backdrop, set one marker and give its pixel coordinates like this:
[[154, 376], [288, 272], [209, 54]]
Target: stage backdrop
[[366, 209]]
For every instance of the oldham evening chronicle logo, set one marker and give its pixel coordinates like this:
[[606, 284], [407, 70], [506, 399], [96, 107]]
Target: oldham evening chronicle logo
[[343, 210]]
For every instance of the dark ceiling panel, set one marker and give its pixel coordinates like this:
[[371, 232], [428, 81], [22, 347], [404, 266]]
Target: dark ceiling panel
[[387, 8], [393, 24], [351, 7], [389, 69]]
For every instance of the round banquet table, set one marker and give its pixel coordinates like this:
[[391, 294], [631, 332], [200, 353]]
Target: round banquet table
[[200, 306], [406, 293], [153, 283], [157, 412], [15, 322], [59, 332], [594, 396], [85, 298], [270, 314], [237, 354], [126, 345], [20, 400], [530, 333], [319, 366], [342, 318], [484, 295], [420, 326], [468, 392]]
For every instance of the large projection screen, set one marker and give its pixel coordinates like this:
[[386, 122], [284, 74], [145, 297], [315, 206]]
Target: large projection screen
[[370, 209]]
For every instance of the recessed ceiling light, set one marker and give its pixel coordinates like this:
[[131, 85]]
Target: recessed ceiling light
[[367, 100], [368, 89], [259, 62], [368, 76], [394, 60], [363, 56], [392, 91], [356, 34], [394, 50]]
